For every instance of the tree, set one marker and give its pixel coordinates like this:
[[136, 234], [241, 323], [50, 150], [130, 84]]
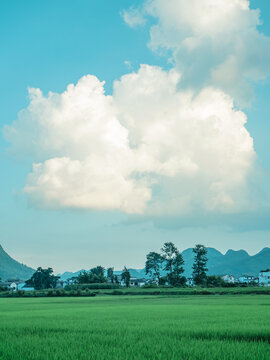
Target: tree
[[98, 270], [110, 275], [168, 252], [153, 265], [83, 277], [178, 269], [125, 276], [216, 281], [95, 275], [173, 264], [43, 279], [199, 266]]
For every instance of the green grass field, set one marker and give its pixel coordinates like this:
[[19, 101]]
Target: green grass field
[[136, 327]]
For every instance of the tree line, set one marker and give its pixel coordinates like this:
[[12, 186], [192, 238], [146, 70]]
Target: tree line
[[169, 261]]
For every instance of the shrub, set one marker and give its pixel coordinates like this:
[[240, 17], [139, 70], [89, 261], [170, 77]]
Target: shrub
[[150, 286], [92, 286], [51, 293], [117, 292]]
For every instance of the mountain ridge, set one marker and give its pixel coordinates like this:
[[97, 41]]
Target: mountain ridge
[[12, 269]]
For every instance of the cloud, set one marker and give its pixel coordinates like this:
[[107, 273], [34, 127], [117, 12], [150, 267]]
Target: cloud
[[213, 43], [133, 17], [81, 151], [150, 148], [166, 145], [195, 146], [92, 183]]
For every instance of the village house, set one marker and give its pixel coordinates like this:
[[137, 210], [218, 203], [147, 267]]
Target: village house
[[60, 284], [137, 282], [71, 280], [264, 277], [12, 284], [228, 279], [190, 281], [23, 287], [133, 282], [246, 279], [15, 285]]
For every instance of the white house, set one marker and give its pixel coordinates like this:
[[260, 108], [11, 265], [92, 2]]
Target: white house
[[22, 286], [247, 279], [60, 284], [190, 281], [228, 279], [71, 280], [135, 282], [13, 284], [264, 278]]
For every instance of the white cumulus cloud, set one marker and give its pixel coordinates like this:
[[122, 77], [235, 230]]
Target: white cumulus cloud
[[213, 42], [149, 148], [133, 17]]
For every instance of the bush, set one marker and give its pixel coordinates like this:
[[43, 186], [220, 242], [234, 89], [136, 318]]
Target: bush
[[92, 286], [150, 286], [51, 292], [117, 292]]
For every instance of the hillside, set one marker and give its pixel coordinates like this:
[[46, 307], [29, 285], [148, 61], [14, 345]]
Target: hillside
[[12, 269]]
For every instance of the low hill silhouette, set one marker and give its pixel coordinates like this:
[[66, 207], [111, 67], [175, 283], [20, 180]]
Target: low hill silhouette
[[12, 269]]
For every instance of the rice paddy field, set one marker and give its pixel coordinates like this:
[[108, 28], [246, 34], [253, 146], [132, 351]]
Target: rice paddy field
[[136, 327]]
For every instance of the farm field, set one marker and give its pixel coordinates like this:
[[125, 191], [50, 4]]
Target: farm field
[[135, 328]]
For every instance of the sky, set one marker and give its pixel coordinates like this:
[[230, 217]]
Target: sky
[[125, 124]]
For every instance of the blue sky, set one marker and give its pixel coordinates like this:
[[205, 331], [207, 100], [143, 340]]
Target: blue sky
[[48, 45]]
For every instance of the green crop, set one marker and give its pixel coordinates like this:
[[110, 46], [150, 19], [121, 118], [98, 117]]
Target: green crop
[[136, 328]]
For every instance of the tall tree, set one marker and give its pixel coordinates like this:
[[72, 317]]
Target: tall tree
[[125, 276], [199, 266], [98, 270], [83, 277], [95, 275], [173, 263], [178, 270], [43, 279], [168, 252], [153, 265], [110, 275]]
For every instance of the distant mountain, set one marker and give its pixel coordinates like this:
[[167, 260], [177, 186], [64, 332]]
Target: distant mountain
[[233, 262], [12, 269], [67, 275], [136, 273], [133, 272]]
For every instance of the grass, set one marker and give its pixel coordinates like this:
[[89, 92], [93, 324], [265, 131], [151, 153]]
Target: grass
[[135, 328]]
